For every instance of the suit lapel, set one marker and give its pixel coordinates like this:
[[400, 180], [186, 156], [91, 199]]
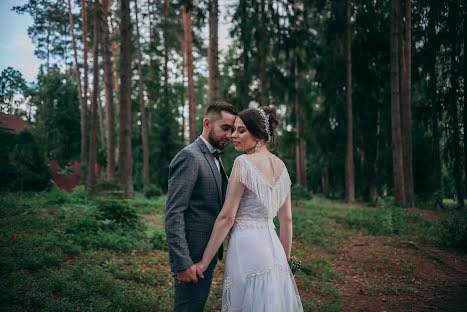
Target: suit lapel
[[212, 164]]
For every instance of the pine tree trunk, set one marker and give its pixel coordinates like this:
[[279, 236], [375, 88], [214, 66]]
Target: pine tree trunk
[[464, 110], [101, 121], [349, 161], [185, 94], [95, 94], [115, 56], [397, 158], [213, 58], [374, 185], [151, 65], [109, 96], [144, 133], [434, 108], [406, 107], [325, 179], [190, 73], [84, 106], [77, 72], [166, 55], [262, 58], [453, 112], [125, 162]]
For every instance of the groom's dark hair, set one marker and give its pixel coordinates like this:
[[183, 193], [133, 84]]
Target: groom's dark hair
[[214, 110]]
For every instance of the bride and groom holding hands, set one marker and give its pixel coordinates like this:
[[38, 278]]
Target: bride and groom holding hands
[[204, 205]]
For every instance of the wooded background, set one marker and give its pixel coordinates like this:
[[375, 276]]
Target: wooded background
[[371, 94]]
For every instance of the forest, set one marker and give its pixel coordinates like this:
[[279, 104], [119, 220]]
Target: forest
[[371, 100]]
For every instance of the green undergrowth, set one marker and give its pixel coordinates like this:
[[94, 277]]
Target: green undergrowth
[[70, 252]]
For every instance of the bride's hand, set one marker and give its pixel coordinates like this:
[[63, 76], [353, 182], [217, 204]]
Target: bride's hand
[[201, 266]]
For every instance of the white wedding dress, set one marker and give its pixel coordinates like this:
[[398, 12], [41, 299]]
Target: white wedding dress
[[257, 276]]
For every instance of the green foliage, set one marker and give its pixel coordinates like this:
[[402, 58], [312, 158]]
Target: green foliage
[[13, 90], [119, 211], [158, 239], [299, 192], [453, 231], [24, 165], [152, 191]]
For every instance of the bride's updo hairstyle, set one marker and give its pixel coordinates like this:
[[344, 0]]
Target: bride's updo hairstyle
[[253, 121]]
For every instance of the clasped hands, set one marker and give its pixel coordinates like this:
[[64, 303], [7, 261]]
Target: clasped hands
[[191, 274]]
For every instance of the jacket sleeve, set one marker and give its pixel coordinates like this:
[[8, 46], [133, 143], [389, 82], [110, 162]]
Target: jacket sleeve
[[183, 173]]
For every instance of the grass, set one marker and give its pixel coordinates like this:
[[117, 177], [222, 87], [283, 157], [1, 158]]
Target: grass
[[67, 252]]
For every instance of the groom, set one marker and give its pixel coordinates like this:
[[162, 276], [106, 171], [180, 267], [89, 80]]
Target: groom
[[196, 193]]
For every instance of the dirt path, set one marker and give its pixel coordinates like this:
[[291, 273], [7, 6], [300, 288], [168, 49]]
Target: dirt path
[[382, 274]]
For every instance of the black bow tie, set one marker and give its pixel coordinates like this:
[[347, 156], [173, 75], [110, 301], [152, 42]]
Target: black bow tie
[[217, 154]]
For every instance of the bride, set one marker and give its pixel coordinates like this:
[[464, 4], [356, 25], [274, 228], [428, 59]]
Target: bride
[[257, 276]]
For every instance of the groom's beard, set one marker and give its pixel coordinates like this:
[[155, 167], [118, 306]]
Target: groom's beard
[[216, 142]]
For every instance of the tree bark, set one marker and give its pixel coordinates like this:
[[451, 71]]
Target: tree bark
[[84, 106], [213, 53], [454, 78], [125, 161], [78, 76], [434, 107], [349, 159], [406, 107], [185, 94], [262, 58], [166, 55], [190, 72], [464, 110], [100, 113], [151, 65], [95, 94], [109, 96], [300, 152], [397, 157], [374, 185], [144, 133]]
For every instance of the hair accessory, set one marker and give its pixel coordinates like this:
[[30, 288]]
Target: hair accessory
[[265, 121]]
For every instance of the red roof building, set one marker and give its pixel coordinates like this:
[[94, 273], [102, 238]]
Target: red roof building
[[12, 123]]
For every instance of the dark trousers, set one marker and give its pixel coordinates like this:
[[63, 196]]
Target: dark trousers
[[191, 297]]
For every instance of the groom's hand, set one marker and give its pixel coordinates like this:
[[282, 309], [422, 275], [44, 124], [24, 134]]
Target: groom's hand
[[189, 275]]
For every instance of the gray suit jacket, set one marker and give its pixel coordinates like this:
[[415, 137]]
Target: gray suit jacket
[[194, 199]]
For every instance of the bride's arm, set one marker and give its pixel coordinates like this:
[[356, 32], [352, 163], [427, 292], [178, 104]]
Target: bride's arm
[[285, 221], [224, 222]]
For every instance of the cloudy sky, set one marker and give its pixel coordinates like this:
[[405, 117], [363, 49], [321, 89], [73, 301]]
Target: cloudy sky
[[16, 49]]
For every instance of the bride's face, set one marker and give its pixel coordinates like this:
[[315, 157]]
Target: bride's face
[[242, 138]]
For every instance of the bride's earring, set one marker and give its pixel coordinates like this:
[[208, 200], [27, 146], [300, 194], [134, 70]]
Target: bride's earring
[[258, 146]]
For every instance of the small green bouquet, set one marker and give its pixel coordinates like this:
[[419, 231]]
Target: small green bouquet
[[295, 265]]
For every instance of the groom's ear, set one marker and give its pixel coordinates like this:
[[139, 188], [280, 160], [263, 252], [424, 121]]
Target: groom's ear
[[206, 123]]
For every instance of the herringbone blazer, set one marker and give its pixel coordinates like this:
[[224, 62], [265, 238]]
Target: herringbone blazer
[[194, 199]]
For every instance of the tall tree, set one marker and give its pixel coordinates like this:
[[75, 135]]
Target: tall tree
[[406, 105], [190, 70], [262, 49], [125, 162], [300, 151], [144, 125], [151, 61], [108, 88], [213, 51], [397, 157], [94, 102], [453, 99], [434, 101], [75, 55], [84, 106], [464, 110], [349, 161]]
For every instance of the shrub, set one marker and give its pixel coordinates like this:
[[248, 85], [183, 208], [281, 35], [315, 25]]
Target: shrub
[[159, 240], [152, 191], [453, 232], [24, 165], [119, 211], [299, 192]]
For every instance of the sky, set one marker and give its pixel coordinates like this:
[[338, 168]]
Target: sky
[[16, 48]]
